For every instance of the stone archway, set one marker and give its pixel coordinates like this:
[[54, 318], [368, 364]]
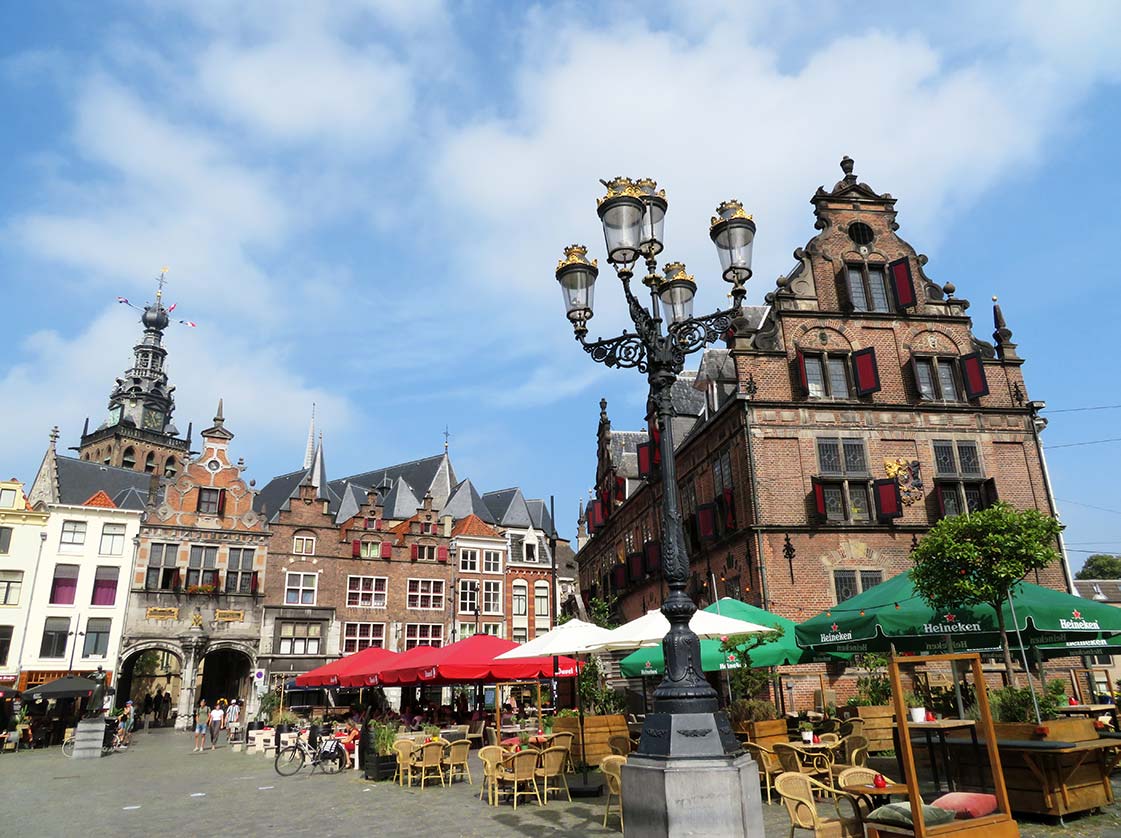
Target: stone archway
[[155, 670], [224, 672]]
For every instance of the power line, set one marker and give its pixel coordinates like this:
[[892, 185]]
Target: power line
[[1110, 541], [1088, 506], [1081, 409], [1088, 442], [1095, 552]]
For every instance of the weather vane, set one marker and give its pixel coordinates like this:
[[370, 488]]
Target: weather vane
[[161, 281]]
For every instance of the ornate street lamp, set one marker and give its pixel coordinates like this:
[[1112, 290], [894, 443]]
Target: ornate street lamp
[[686, 722]]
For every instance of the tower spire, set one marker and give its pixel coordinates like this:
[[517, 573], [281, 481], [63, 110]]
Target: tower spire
[[309, 451]]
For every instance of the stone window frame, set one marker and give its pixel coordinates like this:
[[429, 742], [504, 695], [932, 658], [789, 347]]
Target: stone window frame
[[490, 597], [935, 362], [116, 539], [423, 632], [865, 271], [858, 580], [845, 479], [8, 585], [492, 561], [98, 630], [467, 592], [301, 541], [519, 590], [292, 638], [73, 535], [301, 587], [464, 552]]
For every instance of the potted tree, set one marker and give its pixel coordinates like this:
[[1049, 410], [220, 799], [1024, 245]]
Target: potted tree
[[806, 729], [758, 720], [915, 706], [380, 759]]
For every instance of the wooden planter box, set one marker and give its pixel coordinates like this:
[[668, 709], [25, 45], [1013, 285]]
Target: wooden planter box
[[1058, 730], [380, 767], [877, 725], [765, 733], [598, 731]]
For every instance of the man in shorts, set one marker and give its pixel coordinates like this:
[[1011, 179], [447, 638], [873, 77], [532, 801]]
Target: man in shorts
[[233, 720], [202, 718]]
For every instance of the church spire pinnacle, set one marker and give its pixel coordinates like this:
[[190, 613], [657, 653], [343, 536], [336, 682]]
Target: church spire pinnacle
[[309, 451]]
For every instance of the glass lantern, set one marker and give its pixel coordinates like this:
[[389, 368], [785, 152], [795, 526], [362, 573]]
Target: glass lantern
[[733, 233]]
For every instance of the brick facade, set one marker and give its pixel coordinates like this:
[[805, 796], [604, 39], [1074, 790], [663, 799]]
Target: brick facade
[[805, 522]]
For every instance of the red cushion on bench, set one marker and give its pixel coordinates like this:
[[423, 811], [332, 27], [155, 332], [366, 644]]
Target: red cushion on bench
[[967, 804]]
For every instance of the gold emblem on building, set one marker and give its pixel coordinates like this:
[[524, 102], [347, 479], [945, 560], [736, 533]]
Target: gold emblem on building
[[909, 477]]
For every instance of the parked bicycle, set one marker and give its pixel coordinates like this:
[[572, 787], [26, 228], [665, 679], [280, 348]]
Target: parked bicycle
[[326, 754]]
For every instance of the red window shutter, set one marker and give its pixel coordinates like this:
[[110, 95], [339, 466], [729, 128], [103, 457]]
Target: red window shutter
[[253, 583], [441, 553], [620, 489], [706, 521], [221, 502], [412, 552], [729, 510], [939, 488], [644, 464], [377, 523], [356, 548], [656, 442], [619, 577], [635, 569], [818, 497], [973, 375], [365, 523], [989, 492], [803, 381], [865, 373], [889, 503], [386, 550], [653, 554], [902, 283]]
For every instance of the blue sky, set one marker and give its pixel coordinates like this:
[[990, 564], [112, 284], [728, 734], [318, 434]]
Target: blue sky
[[361, 204]]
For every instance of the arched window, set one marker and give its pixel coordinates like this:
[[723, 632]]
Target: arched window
[[303, 543], [519, 596], [150, 462], [541, 599], [169, 468], [128, 459], [106, 456]]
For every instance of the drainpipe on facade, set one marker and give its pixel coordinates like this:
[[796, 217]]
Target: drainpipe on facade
[[34, 579], [1037, 423]]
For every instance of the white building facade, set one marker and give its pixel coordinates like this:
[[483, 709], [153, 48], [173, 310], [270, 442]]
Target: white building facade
[[22, 536]]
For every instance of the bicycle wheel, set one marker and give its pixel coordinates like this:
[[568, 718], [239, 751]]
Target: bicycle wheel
[[289, 760], [331, 763], [68, 747]]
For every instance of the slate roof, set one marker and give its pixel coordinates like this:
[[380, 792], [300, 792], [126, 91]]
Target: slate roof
[[352, 499], [79, 480], [432, 474], [509, 508], [400, 502], [539, 514], [465, 500], [1090, 588]]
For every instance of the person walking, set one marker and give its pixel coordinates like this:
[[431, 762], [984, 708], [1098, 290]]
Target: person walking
[[157, 705], [217, 716], [166, 712], [233, 719], [127, 719], [202, 717], [148, 704]]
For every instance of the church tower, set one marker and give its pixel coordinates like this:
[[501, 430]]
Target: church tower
[[138, 433]]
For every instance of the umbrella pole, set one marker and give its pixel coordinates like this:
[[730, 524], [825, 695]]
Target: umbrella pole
[[580, 712], [954, 676], [1024, 656]]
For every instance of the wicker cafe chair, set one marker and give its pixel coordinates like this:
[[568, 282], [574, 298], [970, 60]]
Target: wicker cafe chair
[[564, 739], [860, 775], [830, 738], [550, 765], [619, 745], [852, 727], [454, 761], [797, 793], [612, 768], [796, 760], [768, 762], [490, 736], [491, 756], [518, 771], [850, 751], [426, 759], [404, 749]]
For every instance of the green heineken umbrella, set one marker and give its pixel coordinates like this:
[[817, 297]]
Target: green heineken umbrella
[[777, 652], [893, 614]]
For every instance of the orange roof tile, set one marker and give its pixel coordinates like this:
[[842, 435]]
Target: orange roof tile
[[473, 525], [100, 499]]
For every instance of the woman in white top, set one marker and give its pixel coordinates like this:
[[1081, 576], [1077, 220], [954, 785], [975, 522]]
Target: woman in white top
[[216, 717]]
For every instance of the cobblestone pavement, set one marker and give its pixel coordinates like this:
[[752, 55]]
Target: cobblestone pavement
[[158, 787]]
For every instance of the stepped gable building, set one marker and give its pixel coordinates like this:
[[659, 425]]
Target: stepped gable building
[[193, 625], [138, 433], [395, 557], [843, 419]]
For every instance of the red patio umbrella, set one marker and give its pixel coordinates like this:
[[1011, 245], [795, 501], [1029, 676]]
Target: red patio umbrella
[[369, 675], [331, 674], [473, 659]]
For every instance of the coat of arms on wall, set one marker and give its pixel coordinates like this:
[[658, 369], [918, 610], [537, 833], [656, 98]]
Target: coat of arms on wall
[[908, 476]]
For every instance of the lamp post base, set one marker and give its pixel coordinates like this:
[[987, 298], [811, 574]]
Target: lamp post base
[[715, 796]]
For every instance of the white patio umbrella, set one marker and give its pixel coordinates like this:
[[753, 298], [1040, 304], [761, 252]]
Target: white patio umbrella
[[651, 627], [569, 638]]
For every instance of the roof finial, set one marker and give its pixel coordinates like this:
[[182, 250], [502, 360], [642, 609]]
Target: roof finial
[[446, 437], [161, 281], [55, 435], [603, 410], [86, 427], [846, 165], [1003, 335], [219, 418], [309, 452]]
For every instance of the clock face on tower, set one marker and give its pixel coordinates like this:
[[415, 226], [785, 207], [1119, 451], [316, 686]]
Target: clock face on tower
[[114, 414], [153, 419]]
